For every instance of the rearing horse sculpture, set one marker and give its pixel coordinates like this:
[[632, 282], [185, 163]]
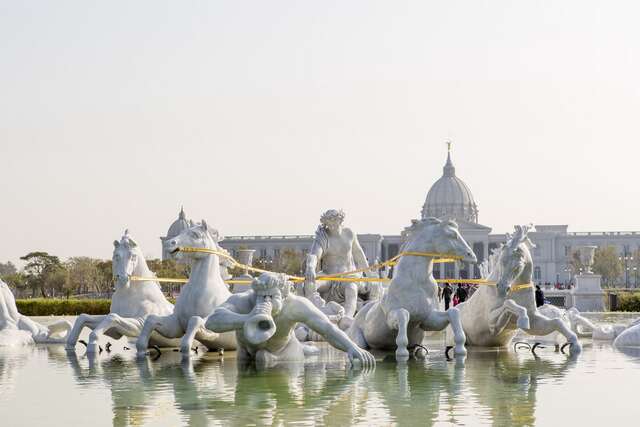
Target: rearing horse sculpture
[[410, 305], [131, 303], [204, 291], [493, 314]]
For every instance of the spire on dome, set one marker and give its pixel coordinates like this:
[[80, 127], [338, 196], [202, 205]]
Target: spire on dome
[[182, 215], [449, 170]]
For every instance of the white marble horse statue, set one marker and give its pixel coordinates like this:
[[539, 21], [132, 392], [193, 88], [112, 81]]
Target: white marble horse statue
[[204, 291], [409, 307], [17, 329], [131, 302], [493, 314], [629, 337]]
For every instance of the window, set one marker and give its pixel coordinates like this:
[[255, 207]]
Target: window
[[276, 252], [567, 250], [537, 274], [263, 252]]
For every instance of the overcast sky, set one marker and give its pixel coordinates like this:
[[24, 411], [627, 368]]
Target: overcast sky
[[259, 115]]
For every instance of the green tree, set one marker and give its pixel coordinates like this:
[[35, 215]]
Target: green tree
[[16, 281], [7, 268], [38, 266], [607, 264], [83, 275]]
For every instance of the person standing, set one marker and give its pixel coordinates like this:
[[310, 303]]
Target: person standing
[[446, 295], [461, 293], [539, 296]]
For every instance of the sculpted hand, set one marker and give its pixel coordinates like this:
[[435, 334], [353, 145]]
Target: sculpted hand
[[310, 275], [366, 359]]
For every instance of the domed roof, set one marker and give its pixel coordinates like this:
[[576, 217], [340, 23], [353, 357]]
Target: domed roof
[[450, 197], [179, 225]]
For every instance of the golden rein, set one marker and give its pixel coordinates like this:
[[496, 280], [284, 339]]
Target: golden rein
[[338, 277]]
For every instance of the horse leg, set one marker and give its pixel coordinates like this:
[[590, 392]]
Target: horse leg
[[167, 326], [127, 327], [195, 327], [399, 319], [350, 298], [542, 325], [520, 312], [438, 320], [82, 321]]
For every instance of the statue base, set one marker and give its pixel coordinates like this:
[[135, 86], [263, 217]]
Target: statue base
[[588, 295]]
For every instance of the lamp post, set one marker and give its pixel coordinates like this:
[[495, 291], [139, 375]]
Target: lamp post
[[626, 258]]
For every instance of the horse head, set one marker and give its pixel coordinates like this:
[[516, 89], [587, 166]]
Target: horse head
[[441, 236], [125, 260], [199, 236], [515, 259]]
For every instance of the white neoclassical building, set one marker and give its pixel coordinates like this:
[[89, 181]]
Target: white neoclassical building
[[450, 197]]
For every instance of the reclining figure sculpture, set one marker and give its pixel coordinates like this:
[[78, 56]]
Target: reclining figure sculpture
[[16, 329], [264, 319]]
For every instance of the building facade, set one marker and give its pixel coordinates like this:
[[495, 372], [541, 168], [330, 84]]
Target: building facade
[[450, 198]]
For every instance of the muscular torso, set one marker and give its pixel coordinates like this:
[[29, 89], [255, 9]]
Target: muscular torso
[[338, 256]]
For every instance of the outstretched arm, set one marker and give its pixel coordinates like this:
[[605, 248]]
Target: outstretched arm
[[231, 315], [305, 312]]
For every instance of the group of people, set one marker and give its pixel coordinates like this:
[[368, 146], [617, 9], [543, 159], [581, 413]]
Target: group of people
[[447, 293]]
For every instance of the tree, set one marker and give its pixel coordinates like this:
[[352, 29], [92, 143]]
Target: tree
[[7, 268], [83, 275], [607, 264], [38, 266]]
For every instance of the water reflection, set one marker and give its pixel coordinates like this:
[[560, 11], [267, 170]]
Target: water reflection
[[489, 387]]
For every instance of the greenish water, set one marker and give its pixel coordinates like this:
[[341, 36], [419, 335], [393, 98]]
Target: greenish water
[[45, 386]]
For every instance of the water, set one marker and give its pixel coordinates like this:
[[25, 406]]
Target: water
[[43, 385]]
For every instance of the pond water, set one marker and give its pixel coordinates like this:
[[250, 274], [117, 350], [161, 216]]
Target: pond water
[[45, 386]]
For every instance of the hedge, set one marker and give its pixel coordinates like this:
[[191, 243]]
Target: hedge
[[62, 307], [629, 302]]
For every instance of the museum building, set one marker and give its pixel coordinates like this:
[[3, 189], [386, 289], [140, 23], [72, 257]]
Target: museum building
[[450, 197]]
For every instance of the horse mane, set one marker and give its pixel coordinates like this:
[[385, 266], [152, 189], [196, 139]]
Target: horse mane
[[417, 225], [520, 236]]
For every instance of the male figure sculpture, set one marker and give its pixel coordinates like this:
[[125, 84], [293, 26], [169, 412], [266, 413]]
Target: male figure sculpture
[[339, 250], [264, 318]]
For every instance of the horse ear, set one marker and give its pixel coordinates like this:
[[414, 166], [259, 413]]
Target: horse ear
[[205, 227], [116, 244]]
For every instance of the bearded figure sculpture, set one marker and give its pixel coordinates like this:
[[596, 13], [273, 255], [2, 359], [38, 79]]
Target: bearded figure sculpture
[[264, 319]]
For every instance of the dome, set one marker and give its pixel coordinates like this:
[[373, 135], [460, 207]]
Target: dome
[[450, 197], [179, 225]]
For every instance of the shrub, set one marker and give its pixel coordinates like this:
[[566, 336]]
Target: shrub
[[629, 302], [62, 307]]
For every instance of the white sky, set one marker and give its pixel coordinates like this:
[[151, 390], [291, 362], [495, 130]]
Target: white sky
[[259, 115]]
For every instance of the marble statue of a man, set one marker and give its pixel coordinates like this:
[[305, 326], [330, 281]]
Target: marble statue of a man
[[338, 250]]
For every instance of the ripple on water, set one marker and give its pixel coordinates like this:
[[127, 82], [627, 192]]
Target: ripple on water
[[488, 388]]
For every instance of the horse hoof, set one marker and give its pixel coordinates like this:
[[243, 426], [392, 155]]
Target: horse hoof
[[108, 347], [221, 352], [420, 351], [100, 348], [157, 349], [402, 355], [126, 348], [195, 350], [83, 342], [563, 347]]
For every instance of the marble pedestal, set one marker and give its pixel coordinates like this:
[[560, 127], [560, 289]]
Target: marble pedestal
[[588, 295]]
